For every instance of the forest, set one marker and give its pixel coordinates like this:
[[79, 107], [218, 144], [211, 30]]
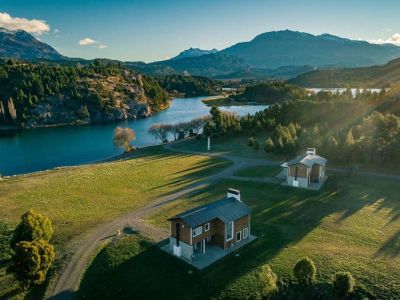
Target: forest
[[48, 93], [362, 130], [189, 86]]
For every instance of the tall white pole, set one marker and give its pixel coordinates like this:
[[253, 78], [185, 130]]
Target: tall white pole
[[208, 143]]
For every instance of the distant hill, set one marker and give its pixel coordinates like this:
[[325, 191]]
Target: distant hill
[[262, 74], [271, 55], [291, 48], [209, 65], [375, 76], [22, 45], [194, 52]]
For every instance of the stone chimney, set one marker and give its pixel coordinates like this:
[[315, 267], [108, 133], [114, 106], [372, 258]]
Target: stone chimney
[[232, 193]]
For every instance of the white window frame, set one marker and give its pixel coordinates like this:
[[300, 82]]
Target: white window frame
[[232, 231], [245, 234], [197, 231], [240, 234], [206, 227]]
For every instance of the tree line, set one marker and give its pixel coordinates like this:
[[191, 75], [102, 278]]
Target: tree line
[[359, 130], [163, 132], [189, 86]]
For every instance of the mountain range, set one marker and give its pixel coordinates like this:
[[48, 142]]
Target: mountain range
[[276, 54], [22, 45], [193, 52]]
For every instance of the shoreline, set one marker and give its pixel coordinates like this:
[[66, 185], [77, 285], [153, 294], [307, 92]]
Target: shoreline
[[227, 101], [110, 159]]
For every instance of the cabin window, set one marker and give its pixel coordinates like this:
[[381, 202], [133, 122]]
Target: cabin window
[[229, 231], [206, 227], [245, 233], [238, 236], [197, 231]]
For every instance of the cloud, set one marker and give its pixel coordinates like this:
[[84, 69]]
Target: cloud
[[394, 39], [92, 42], [87, 42], [32, 26]]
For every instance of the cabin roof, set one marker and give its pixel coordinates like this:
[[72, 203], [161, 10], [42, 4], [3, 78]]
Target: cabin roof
[[227, 209], [307, 159]]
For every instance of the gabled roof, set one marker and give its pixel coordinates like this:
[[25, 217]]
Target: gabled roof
[[307, 159], [227, 209]]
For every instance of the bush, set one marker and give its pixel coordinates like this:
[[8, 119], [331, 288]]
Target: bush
[[343, 284], [305, 271], [268, 278], [33, 226], [123, 137], [269, 145], [5, 239], [32, 260], [256, 145], [250, 141], [257, 284]]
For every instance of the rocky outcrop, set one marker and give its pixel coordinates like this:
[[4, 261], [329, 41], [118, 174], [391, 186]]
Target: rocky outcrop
[[48, 114]]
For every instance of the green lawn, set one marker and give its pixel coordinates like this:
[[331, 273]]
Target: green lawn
[[350, 225], [262, 171], [232, 145], [77, 200]]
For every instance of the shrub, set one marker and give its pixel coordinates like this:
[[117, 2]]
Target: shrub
[[5, 239], [305, 271], [33, 226], [269, 145], [257, 284], [268, 278], [256, 145], [343, 284], [32, 260], [250, 141]]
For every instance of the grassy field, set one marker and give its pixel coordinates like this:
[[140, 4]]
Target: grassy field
[[79, 199], [352, 224], [263, 171], [232, 145]]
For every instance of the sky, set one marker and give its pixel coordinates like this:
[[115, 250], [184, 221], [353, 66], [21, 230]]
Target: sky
[[151, 30]]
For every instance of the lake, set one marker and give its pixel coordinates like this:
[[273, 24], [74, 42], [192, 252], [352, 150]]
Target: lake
[[45, 148]]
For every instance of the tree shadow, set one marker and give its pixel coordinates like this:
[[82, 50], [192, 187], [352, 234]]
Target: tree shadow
[[391, 248], [281, 217]]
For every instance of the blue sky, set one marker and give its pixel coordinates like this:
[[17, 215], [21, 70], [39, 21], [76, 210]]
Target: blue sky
[[157, 29]]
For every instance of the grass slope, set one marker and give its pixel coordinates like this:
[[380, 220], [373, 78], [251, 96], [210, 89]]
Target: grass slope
[[79, 199], [263, 171], [351, 224]]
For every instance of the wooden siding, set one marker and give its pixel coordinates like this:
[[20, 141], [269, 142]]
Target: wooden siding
[[239, 225], [216, 231], [218, 238], [185, 229], [315, 172], [301, 170]]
